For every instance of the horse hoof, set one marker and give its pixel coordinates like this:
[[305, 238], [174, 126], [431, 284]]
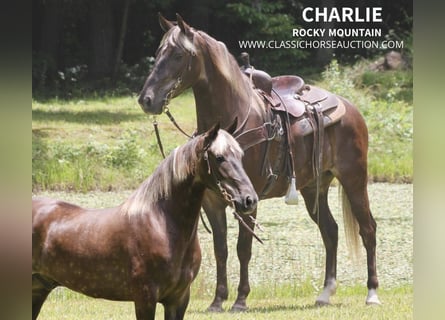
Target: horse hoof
[[239, 308], [372, 298], [374, 301], [322, 303], [215, 309]]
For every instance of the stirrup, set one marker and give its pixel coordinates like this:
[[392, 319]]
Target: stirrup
[[291, 197]]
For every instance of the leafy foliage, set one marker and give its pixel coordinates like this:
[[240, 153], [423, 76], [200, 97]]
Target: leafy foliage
[[386, 104], [63, 60], [267, 21]]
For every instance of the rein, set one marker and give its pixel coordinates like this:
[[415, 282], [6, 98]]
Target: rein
[[158, 135], [223, 191]]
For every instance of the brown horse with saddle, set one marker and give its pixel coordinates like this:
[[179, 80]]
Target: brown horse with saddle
[[294, 136], [145, 250]]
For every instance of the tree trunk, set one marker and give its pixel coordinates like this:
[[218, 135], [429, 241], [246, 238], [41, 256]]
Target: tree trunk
[[49, 40], [121, 41], [101, 39]]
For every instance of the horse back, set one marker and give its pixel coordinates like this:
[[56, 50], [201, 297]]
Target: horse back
[[46, 210]]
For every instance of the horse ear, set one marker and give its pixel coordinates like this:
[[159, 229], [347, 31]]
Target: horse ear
[[232, 128], [211, 135], [185, 28], [164, 23]]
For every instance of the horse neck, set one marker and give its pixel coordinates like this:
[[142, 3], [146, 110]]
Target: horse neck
[[176, 195], [221, 99], [184, 203]]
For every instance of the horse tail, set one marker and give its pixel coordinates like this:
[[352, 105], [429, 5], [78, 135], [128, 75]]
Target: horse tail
[[351, 226]]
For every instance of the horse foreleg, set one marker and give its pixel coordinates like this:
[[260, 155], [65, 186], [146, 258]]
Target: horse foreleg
[[176, 311], [329, 233], [218, 221], [244, 251], [41, 288], [145, 310]]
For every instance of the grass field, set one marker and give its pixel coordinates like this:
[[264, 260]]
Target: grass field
[[108, 143], [92, 152], [287, 271], [398, 306]]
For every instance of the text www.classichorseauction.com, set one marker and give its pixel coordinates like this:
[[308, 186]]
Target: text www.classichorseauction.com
[[329, 37]]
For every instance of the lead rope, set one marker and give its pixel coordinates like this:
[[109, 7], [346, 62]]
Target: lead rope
[[158, 137], [170, 116]]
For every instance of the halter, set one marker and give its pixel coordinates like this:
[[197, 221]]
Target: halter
[[165, 108], [192, 53]]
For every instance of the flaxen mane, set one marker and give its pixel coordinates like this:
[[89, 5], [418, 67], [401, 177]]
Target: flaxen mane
[[179, 165]]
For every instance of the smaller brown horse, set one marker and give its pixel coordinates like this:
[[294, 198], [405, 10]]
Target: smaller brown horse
[[145, 250]]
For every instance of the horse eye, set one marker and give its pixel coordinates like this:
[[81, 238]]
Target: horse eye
[[220, 159]]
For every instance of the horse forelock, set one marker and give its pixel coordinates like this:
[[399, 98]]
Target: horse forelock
[[174, 37], [224, 144]]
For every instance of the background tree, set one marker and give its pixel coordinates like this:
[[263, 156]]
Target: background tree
[[102, 45]]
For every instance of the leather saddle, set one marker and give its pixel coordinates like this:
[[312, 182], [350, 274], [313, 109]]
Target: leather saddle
[[289, 94], [311, 108]]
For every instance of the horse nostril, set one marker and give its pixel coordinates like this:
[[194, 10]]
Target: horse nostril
[[249, 202], [145, 101]]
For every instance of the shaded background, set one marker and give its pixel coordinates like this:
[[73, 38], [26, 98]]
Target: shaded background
[[101, 45]]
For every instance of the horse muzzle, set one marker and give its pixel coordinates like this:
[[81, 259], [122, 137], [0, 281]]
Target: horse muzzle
[[149, 105], [246, 204]]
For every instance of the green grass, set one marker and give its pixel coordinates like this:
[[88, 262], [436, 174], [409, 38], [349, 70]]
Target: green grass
[[286, 272], [109, 143], [347, 304], [100, 144], [385, 99]]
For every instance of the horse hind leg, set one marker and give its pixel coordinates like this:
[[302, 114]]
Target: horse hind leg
[[329, 233], [356, 205], [41, 288]]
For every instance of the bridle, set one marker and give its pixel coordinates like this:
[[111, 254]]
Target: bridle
[[165, 108], [226, 195], [222, 190]]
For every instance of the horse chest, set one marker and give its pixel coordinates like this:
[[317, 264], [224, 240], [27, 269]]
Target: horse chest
[[170, 272]]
